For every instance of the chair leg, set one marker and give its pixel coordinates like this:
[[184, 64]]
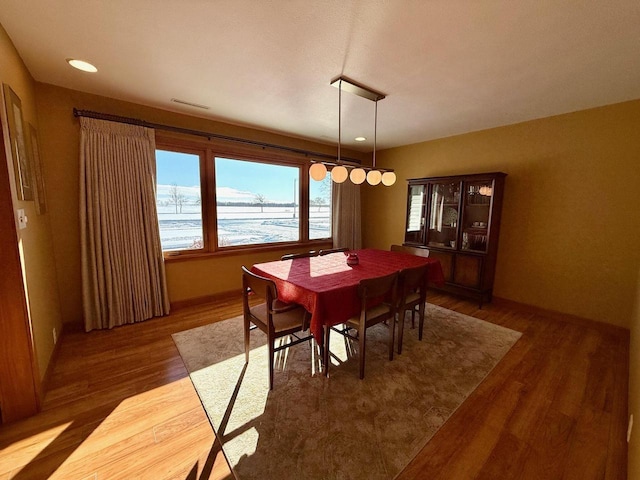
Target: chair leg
[[400, 330], [361, 341], [271, 354], [421, 309], [413, 318], [392, 336], [325, 352], [320, 350], [246, 340]]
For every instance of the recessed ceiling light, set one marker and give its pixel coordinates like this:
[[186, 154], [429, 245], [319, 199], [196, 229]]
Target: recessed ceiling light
[[82, 65], [360, 139]]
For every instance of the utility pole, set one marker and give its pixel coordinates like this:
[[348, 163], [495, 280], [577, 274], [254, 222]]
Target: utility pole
[[295, 180]]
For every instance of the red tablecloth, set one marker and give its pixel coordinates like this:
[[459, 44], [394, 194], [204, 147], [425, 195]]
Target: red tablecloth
[[328, 288]]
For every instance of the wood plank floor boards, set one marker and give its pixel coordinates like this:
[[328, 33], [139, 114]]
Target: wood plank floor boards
[[617, 441], [483, 434], [137, 418], [594, 466], [121, 406], [132, 428], [566, 379]]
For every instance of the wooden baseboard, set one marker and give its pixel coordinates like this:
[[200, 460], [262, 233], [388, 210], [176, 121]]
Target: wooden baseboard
[[74, 327], [46, 379], [190, 302], [77, 327], [617, 331]]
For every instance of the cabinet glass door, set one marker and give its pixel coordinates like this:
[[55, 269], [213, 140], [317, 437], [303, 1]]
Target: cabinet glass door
[[477, 207], [415, 214], [442, 230]]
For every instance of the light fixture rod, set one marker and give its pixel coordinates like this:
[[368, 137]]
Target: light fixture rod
[[339, 174], [356, 88], [375, 134], [350, 164], [339, 117]]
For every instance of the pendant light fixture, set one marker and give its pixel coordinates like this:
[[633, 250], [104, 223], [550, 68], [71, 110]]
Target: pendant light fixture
[[388, 178], [318, 171], [358, 174], [374, 177], [339, 173]]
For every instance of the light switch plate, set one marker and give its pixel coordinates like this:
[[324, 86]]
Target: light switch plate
[[22, 219]]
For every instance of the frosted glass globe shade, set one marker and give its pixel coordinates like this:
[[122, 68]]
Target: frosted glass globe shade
[[339, 174], [388, 178], [357, 176], [374, 177], [318, 171]]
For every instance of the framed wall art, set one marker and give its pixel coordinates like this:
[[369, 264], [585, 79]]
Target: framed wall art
[[19, 153], [38, 178]]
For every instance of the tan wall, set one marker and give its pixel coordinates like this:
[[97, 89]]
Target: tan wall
[[60, 139], [633, 470], [570, 229], [197, 279], [35, 241]]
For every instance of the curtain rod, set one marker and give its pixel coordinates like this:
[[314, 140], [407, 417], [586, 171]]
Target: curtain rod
[[209, 135]]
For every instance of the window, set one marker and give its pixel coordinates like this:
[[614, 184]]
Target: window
[[256, 202], [179, 201], [212, 199], [320, 208]]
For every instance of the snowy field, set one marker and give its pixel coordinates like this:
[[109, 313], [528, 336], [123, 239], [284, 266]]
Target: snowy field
[[239, 225]]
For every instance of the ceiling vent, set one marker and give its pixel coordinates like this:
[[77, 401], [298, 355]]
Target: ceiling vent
[[196, 105]]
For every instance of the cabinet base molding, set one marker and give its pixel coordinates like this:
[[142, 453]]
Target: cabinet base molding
[[459, 291]]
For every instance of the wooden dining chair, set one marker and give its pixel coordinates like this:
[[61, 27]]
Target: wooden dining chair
[[420, 252], [291, 256], [372, 312], [333, 250], [412, 295], [275, 318]]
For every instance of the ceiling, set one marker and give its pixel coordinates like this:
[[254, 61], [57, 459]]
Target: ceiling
[[446, 66]]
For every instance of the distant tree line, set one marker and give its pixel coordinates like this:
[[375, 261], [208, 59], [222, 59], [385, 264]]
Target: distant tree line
[[178, 200], [314, 202], [253, 204]]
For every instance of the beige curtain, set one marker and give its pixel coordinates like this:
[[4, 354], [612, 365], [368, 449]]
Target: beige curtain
[[346, 225], [123, 277]]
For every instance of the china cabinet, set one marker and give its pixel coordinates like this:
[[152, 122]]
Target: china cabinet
[[458, 219]]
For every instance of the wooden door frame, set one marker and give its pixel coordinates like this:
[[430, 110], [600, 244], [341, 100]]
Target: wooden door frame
[[19, 378]]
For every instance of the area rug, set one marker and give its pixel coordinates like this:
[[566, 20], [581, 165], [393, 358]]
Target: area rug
[[340, 427]]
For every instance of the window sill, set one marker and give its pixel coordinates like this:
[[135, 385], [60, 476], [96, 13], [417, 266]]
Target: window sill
[[182, 256]]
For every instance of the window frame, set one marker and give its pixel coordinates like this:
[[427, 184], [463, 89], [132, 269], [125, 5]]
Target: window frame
[[203, 194], [208, 150]]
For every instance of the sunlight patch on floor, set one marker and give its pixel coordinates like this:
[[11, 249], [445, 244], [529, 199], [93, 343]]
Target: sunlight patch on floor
[[27, 449]]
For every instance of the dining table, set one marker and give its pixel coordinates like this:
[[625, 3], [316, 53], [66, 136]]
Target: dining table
[[327, 286]]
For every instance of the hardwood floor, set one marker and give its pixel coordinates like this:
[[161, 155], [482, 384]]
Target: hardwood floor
[[121, 406]]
